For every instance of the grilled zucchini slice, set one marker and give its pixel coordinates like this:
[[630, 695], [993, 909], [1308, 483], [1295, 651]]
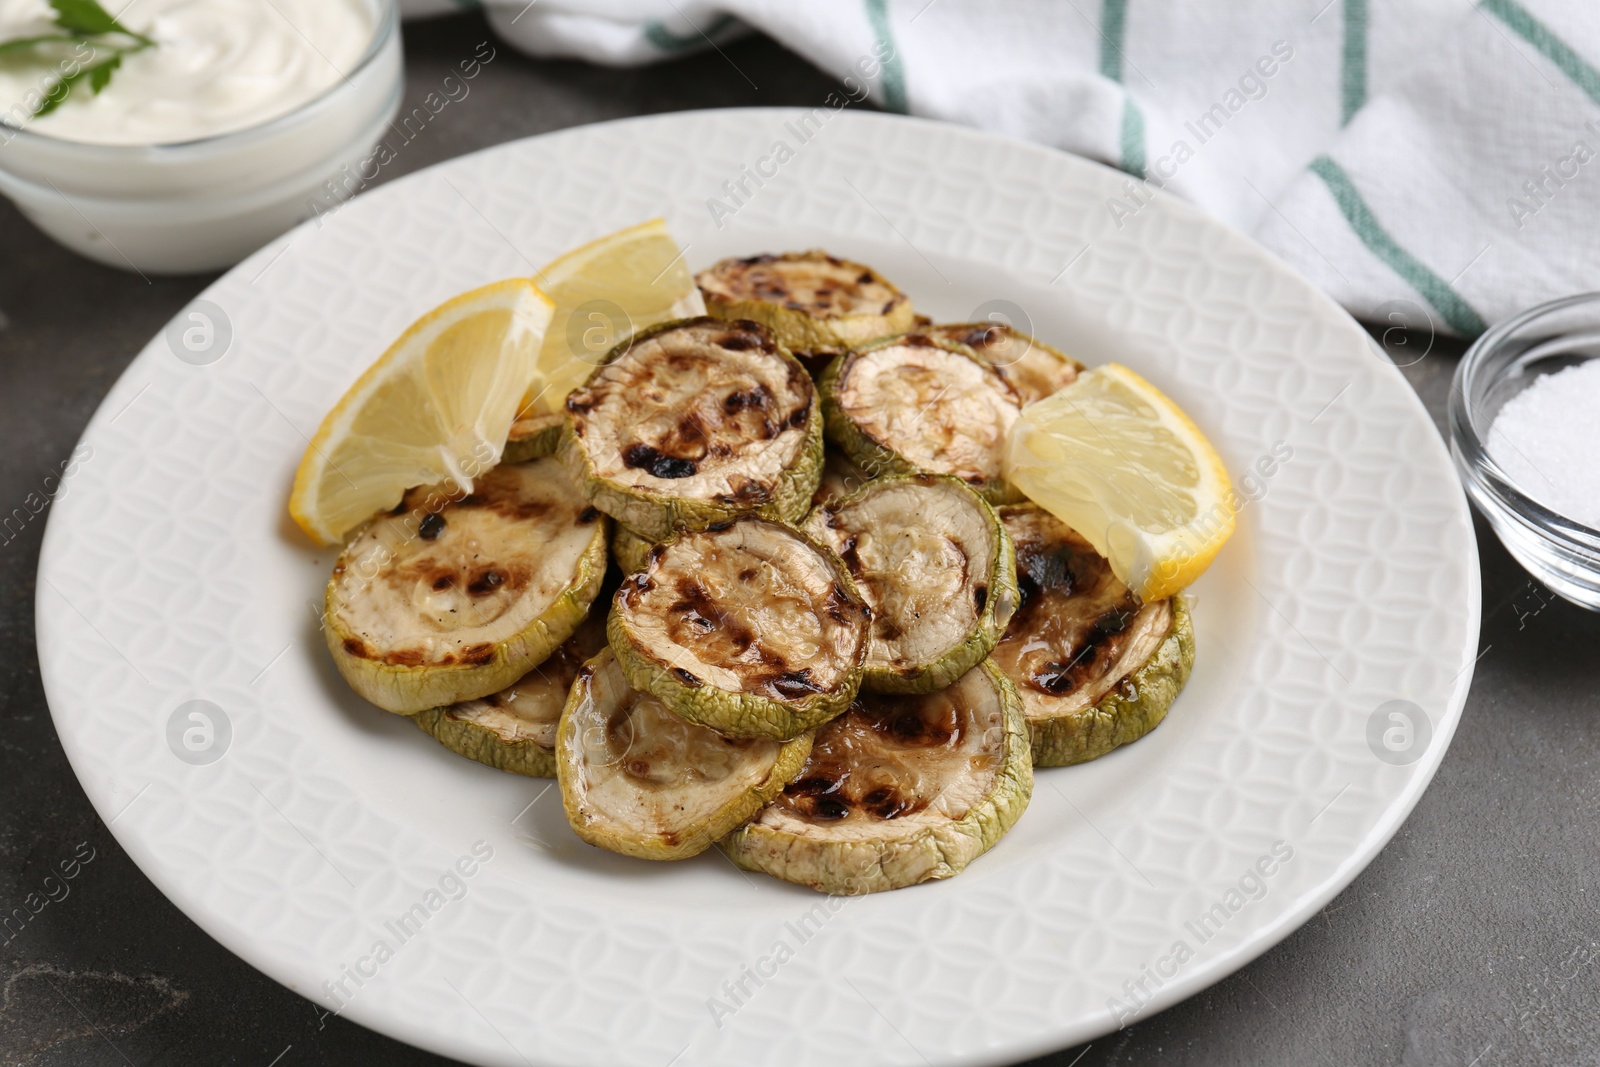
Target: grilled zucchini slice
[[748, 628], [532, 437], [515, 729], [640, 780], [1095, 668], [695, 422], [451, 598], [812, 301], [935, 565], [899, 790], [1031, 367], [916, 404]]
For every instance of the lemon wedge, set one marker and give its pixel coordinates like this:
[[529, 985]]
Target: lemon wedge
[[604, 292], [1112, 457], [435, 407]]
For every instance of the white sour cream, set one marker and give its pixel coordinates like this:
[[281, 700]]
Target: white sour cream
[[218, 66]]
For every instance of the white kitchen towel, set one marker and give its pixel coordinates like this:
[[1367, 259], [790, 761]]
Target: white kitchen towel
[[1424, 161]]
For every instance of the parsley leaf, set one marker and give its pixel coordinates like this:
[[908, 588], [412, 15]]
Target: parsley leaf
[[100, 73], [80, 20], [85, 16]]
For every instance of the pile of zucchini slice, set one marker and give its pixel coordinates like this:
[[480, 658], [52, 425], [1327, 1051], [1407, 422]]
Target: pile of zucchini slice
[[833, 641]]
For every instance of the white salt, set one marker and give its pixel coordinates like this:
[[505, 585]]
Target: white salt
[[1547, 440]]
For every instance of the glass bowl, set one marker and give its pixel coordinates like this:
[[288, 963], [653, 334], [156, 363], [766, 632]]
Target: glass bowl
[[1558, 551], [206, 204]]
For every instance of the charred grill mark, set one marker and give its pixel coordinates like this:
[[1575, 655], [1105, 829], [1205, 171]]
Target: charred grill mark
[[747, 494], [830, 789], [829, 808], [1099, 648], [795, 685], [864, 278], [1070, 602], [1113, 622], [748, 574], [500, 491], [443, 582], [485, 582], [840, 608], [818, 796], [686, 678], [1045, 568], [588, 515], [909, 722], [745, 340], [851, 557], [471, 656], [887, 803], [797, 418], [699, 612], [641, 455], [756, 397], [982, 337]]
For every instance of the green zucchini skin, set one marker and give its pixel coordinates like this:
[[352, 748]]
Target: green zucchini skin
[[532, 438], [485, 746]]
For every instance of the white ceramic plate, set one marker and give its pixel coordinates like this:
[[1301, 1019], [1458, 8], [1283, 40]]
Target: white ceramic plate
[[301, 825]]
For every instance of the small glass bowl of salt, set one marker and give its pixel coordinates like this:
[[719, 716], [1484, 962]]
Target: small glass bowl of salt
[[1525, 436]]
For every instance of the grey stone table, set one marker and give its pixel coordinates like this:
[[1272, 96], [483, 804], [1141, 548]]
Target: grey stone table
[[1470, 940]]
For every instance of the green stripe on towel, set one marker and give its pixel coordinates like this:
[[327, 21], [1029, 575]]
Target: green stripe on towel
[[894, 71], [1353, 87], [1132, 138], [1113, 30], [1553, 48], [1113, 27], [1434, 289]]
